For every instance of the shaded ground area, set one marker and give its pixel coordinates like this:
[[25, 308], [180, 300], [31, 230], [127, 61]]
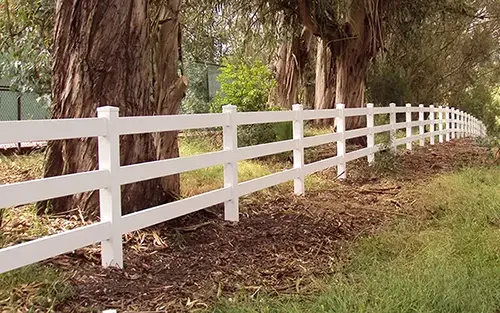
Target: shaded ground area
[[281, 244]]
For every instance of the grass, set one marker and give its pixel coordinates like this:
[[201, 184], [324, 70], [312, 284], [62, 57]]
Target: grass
[[211, 178], [447, 262], [34, 288]]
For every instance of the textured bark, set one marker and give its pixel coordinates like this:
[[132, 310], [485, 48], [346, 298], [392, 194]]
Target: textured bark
[[169, 87], [101, 58], [352, 64], [290, 65], [325, 81]]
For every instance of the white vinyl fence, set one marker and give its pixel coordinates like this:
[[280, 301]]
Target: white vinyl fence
[[108, 178]]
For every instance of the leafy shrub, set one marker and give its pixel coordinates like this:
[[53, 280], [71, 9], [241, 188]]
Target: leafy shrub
[[247, 85], [244, 84]]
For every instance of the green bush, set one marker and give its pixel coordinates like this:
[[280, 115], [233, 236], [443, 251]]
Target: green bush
[[244, 84], [251, 135], [247, 86]]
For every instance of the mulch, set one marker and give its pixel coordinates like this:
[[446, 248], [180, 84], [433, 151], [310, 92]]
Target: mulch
[[281, 244]]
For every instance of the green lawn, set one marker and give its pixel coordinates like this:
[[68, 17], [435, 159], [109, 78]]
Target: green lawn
[[449, 261]]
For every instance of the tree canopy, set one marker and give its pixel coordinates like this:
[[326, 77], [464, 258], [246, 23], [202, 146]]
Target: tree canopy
[[423, 51]]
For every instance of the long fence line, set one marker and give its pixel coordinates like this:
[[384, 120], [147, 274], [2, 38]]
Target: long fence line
[[108, 178]]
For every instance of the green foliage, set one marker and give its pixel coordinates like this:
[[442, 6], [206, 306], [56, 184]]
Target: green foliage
[[244, 83], [443, 53], [449, 263], [387, 84], [247, 84], [251, 135], [25, 42], [481, 101]]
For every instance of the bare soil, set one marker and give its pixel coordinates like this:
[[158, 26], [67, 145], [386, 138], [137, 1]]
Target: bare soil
[[281, 244]]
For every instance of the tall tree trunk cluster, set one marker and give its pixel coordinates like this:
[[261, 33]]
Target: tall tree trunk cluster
[[343, 55], [102, 57]]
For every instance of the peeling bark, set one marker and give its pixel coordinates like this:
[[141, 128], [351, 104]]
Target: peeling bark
[[290, 65], [169, 88], [101, 58], [325, 81], [352, 64]]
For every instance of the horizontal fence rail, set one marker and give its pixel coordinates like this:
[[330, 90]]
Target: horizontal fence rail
[[434, 123]]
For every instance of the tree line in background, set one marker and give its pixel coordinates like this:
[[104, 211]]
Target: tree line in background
[[144, 56]]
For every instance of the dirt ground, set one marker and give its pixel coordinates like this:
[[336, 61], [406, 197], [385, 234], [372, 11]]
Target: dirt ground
[[281, 244]]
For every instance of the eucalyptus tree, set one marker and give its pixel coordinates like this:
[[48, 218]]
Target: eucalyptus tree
[[169, 85], [448, 56], [101, 57]]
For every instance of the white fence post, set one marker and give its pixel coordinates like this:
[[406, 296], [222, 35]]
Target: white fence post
[[466, 130], [340, 122], [453, 123], [431, 126], [408, 126], [421, 126], [440, 117], [468, 125], [110, 197], [392, 121], [447, 117], [370, 138], [230, 143], [298, 152], [460, 124]]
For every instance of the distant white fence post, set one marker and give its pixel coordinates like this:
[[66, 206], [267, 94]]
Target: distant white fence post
[[468, 124], [462, 118], [408, 126], [447, 117], [298, 152], [421, 126], [440, 118], [340, 122], [453, 123], [461, 124], [473, 123], [465, 123], [110, 197], [392, 121], [370, 138], [431, 126], [230, 143]]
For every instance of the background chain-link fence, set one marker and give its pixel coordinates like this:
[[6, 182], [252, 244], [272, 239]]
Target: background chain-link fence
[[18, 106]]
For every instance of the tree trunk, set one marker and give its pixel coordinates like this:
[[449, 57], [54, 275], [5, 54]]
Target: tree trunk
[[292, 59], [101, 58], [352, 64], [325, 81], [169, 88]]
